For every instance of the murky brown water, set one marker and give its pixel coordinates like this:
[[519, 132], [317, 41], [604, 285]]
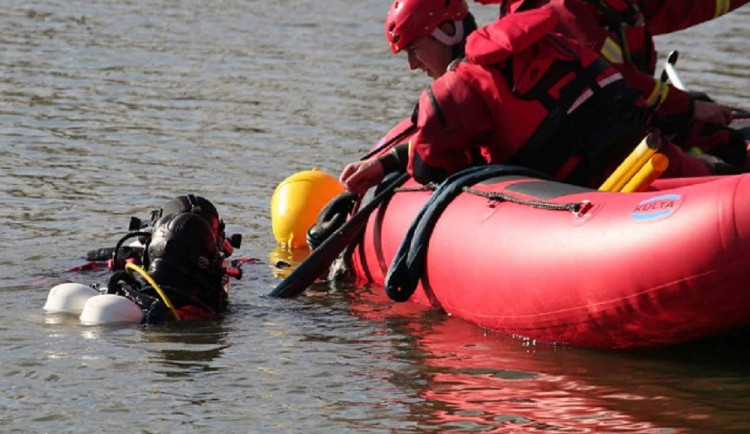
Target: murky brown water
[[110, 108]]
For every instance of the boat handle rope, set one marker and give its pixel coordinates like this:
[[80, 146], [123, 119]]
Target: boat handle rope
[[132, 267], [427, 187], [577, 208]]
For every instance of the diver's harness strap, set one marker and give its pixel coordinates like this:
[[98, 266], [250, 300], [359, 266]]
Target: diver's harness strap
[[123, 284], [155, 309]]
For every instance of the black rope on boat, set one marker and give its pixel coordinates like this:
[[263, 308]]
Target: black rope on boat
[[408, 264], [574, 207]]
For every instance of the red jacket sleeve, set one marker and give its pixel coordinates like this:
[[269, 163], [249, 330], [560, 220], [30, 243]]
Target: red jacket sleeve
[[667, 100], [400, 132], [578, 22], [452, 120], [666, 16]]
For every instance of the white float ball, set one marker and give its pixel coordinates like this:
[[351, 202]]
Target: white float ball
[[68, 298], [110, 309]]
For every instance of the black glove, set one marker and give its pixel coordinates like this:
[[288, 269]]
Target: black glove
[[330, 218]]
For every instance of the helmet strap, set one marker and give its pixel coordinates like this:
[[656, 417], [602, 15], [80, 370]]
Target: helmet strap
[[450, 41]]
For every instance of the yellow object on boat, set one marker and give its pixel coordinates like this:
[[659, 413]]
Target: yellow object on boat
[[654, 167], [296, 202], [633, 163]]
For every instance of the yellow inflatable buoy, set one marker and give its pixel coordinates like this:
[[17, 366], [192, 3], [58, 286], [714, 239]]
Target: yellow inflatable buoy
[[296, 202]]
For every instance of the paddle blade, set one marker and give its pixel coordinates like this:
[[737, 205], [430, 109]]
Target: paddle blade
[[321, 258]]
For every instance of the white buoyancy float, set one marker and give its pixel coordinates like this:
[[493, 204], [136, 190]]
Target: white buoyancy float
[[68, 298], [110, 309]]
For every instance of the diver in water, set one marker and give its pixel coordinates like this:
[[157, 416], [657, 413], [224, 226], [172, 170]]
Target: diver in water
[[182, 263]]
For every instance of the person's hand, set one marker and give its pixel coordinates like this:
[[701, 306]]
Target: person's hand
[[357, 177], [712, 112]]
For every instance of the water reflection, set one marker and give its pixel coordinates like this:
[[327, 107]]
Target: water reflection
[[283, 261], [470, 379], [184, 349]]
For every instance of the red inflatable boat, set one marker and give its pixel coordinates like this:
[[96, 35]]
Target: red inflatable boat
[[555, 263]]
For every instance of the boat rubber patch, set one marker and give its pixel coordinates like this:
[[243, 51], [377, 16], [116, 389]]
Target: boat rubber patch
[[656, 208]]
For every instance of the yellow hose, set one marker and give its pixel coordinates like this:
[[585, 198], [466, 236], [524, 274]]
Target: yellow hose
[[632, 164], [129, 266]]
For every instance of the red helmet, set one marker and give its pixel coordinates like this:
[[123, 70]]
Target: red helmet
[[408, 19]]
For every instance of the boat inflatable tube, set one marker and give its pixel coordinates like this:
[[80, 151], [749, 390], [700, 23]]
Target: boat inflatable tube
[[296, 202], [68, 298], [110, 309]]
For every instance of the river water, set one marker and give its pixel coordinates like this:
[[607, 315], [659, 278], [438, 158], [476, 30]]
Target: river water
[[110, 108]]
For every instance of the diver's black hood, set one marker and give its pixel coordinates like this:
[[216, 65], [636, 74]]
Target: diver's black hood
[[183, 254]]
